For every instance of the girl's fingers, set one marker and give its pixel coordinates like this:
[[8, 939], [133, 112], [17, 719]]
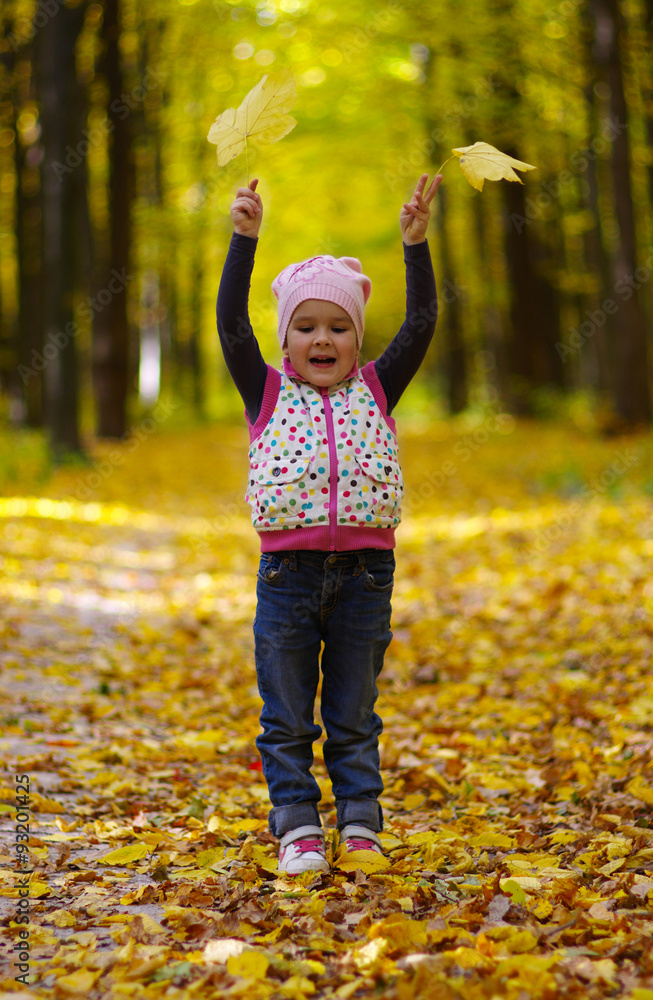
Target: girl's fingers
[[247, 205], [415, 210], [435, 184], [246, 192], [419, 188]]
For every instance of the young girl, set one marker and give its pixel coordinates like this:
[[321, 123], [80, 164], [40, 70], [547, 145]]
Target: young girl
[[325, 490]]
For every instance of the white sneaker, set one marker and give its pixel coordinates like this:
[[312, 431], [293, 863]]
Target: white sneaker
[[302, 850], [359, 838]]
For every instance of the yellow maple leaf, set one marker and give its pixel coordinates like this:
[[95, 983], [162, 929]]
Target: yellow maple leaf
[[521, 941], [41, 804], [262, 116], [249, 965], [481, 162], [514, 889], [365, 861], [125, 855], [399, 931], [640, 790], [490, 839], [80, 981], [61, 918]]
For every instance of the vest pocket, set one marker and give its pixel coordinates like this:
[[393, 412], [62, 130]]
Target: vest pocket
[[275, 489], [381, 487]]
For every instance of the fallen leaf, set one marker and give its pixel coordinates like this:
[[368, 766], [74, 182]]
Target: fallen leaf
[[125, 855], [249, 965]]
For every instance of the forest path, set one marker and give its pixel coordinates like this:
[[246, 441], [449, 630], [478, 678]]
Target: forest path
[[516, 750]]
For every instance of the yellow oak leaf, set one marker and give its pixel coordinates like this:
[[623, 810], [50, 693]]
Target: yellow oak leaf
[[262, 116], [481, 162]]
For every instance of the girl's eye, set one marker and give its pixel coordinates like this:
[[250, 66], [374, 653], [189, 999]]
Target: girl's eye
[[338, 329]]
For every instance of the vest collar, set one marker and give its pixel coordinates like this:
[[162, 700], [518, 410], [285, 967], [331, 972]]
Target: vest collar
[[291, 373]]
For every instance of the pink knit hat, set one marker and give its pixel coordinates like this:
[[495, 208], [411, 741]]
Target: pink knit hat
[[340, 280]]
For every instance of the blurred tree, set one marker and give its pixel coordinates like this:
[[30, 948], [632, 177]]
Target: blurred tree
[[631, 381], [62, 119], [29, 233], [534, 305], [453, 353], [23, 336], [113, 247]]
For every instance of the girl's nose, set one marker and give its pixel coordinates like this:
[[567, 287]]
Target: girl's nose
[[322, 335]]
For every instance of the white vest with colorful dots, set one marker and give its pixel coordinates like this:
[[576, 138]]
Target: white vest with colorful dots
[[325, 451]]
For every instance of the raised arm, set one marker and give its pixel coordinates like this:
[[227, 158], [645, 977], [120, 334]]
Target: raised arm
[[247, 211], [239, 346], [415, 214], [404, 354]]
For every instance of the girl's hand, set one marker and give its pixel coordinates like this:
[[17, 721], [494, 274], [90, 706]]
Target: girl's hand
[[414, 217], [247, 211]]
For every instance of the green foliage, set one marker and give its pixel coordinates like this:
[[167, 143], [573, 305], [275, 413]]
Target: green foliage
[[24, 461]]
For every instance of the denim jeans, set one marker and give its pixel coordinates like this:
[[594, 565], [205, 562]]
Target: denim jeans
[[341, 599]]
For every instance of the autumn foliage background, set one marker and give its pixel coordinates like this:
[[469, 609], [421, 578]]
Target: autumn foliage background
[[516, 694]]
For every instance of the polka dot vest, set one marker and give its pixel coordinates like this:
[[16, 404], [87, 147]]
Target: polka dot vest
[[322, 456]]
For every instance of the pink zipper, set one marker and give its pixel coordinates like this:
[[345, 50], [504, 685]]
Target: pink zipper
[[333, 469]]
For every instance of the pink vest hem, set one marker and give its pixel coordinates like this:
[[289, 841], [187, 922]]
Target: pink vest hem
[[317, 537]]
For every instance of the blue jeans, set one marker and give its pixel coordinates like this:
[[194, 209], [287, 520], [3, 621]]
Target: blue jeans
[[341, 599]]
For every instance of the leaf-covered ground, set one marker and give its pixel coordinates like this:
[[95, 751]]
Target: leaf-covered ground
[[518, 714]]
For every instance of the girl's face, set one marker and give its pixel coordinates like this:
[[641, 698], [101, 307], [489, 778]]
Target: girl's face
[[321, 342]]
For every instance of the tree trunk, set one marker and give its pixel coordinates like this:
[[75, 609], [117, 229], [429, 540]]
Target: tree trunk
[[453, 354], [23, 336], [61, 122], [194, 343], [595, 254], [493, 363], [534, 310], [29, 245], [632, 398], [648, 90], [455, 361], [110, 320]]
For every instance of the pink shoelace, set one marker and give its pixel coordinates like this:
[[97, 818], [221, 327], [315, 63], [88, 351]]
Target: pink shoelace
[[307, 845], [361, 844]]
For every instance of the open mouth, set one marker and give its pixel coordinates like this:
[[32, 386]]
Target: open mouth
[[322, 362]]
